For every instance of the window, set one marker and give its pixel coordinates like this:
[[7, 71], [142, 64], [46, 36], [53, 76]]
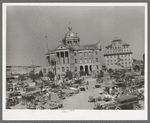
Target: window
[[107, 56], [107, 60], [75, 68], [74, 53], [124, 55], [90, 60], [111, 56], [129, 62], [75, 60], [85, 60], [80, 53], [80, 60], [97, 66], [67, 68], [115, 60], [85, 53], [114, 56], [129, 59], [125, 59], [125, 62], [96, 52], [89, 53], [107, 63], [63, 70], [122, 62], [96, 59], [111, 60], [111, 63], [129, 55]]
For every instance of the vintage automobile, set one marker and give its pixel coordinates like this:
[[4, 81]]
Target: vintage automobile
[[129, 102], [49, 105], [28, 97], [31, 88], [139, 94], [68, 92], [97, 85], [76, 91], [94, 99], [83, 88], [13, 94]]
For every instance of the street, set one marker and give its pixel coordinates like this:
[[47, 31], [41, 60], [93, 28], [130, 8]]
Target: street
[[80, 101]]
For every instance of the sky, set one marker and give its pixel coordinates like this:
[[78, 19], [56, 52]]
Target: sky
[[27, 26]]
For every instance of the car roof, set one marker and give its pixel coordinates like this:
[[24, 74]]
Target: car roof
[[126, 98], [32, 92]]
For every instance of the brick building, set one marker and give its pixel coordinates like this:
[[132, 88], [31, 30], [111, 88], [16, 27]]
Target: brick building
[[70, 55]]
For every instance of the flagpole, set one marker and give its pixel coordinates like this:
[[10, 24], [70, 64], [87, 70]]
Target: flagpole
[[46, 42]]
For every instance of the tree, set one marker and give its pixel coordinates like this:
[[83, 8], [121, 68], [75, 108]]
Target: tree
[[40, 74], [69, 74], [82, 73], [110, 70], [51, 75], [21, 77], [142, 72], [32, 75], [137, 68]]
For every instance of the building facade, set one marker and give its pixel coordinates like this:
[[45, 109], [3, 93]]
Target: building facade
[[70, 55], [118, 55], [17, 70]]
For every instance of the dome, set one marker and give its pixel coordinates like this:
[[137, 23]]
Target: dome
[[70, 34]]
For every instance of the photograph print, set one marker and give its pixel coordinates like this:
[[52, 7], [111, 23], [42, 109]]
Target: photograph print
[[74, 57]]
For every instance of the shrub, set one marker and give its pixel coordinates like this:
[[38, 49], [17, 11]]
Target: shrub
[[51, 75], [69, 74], [40, 74], [32, 75], [21, 77]]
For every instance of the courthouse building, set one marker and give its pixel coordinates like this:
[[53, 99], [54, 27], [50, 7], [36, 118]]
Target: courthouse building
[[70, 55], [118, 55]]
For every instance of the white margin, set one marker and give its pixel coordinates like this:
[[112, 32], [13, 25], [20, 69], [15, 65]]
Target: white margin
[[77, 114]]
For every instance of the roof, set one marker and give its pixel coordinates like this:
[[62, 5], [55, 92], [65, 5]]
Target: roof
[[126, 98], [89, 47], [70, 34], [32, 92], [108, 46], [126, 44], [119, 53]]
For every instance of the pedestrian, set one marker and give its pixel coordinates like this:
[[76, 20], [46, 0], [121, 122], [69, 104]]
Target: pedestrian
[[87, 87]]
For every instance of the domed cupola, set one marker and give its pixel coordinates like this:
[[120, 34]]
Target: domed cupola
[[71, 38]]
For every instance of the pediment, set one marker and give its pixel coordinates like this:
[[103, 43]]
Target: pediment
[[61, 47]]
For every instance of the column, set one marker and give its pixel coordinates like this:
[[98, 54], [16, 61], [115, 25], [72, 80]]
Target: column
[[68, 57], [89, 69], [65, 57], [59, 57], [83, 67]]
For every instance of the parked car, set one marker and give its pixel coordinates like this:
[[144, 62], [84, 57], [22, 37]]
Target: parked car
[[129, 102], [97, 86], [94, 99]]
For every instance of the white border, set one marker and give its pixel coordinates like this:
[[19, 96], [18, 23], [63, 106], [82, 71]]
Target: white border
[[77, 114]]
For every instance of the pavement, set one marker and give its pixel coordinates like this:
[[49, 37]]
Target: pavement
[[80, 101]]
